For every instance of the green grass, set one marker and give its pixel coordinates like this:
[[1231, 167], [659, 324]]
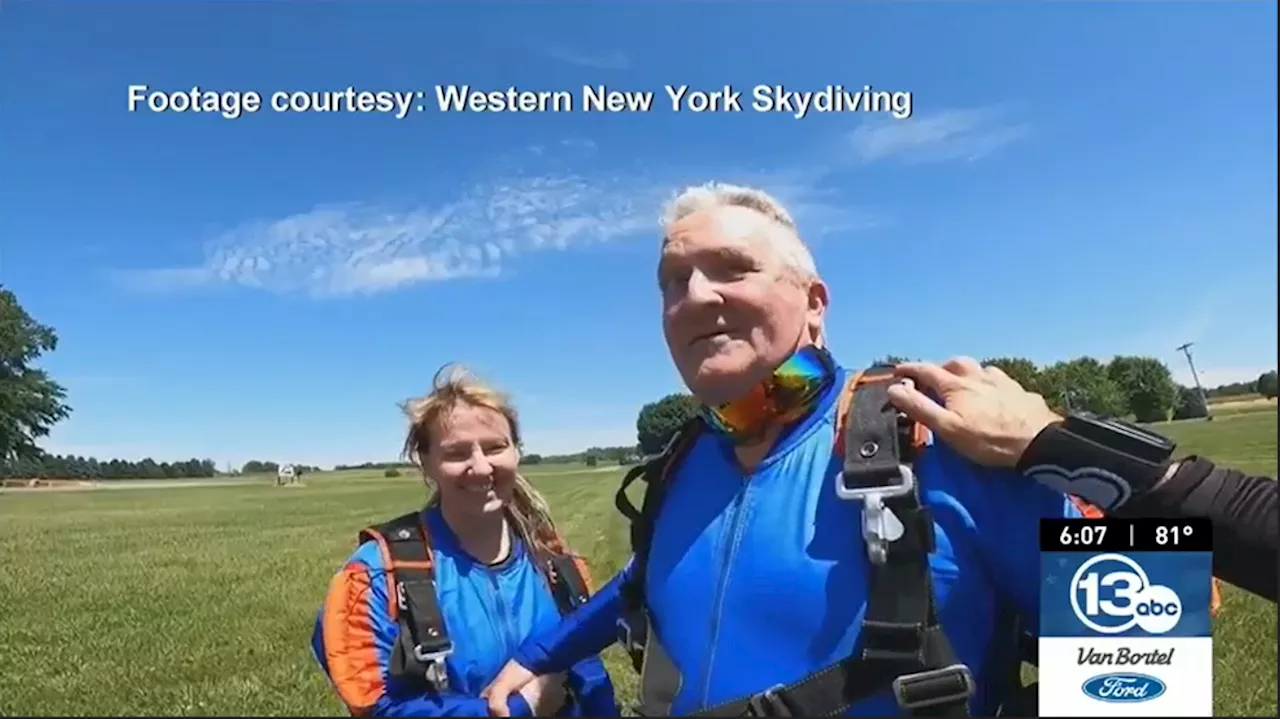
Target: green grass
[[1244, 635], [199, 601]]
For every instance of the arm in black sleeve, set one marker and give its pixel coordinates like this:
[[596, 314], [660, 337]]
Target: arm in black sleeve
[[1243, 511]]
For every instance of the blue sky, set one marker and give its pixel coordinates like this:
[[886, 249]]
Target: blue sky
[[1074, 179]]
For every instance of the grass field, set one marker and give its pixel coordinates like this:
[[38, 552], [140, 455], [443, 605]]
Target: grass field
[[199, 601]]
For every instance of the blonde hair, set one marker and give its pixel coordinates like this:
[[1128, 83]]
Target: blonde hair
[[452, 387]]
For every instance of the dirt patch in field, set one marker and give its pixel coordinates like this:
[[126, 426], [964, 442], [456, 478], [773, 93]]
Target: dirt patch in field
[[1242, 403], [1243, 406], [54, 485]]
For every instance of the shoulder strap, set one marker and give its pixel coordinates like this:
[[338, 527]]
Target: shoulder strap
[[911, 435], [900, 629], [423, 643], [901, 644], [656, 473]]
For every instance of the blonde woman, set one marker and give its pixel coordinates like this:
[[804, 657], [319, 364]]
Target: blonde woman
[[432, 604]]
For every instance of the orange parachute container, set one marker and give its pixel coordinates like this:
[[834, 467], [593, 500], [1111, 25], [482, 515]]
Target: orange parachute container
[[1092, 512]]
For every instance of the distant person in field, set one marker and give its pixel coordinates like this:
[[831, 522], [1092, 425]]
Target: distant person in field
[[802, 550], [431, 604]]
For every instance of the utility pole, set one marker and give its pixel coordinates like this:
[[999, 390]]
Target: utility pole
[[1186, 350]]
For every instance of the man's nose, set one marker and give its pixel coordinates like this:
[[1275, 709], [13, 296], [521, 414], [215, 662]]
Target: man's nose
[[701, 289]]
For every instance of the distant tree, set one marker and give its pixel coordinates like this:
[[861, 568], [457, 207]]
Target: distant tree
[[1147, 385], [391, 472], [592, 460], [1267, 384], [1190, 404], [893, 359], [1081, 384], [658, 421], [1020, 370], [1233, 389], [31, 403], [531, 459]]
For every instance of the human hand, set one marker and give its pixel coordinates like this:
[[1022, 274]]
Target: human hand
[[512, 678], [985, 415], [545, 694]]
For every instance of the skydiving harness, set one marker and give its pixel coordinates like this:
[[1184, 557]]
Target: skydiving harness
[[901, 645], [423, 643]]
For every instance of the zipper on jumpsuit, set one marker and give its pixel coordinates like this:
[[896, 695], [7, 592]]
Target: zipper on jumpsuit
[[504, 617], [735, 527]]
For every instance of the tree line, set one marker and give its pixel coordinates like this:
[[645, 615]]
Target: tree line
[[257, 466], [592, 456], [58, 466], [373, 465], [31, 403], [1137, 388]]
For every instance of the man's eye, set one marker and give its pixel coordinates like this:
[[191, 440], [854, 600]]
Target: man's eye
[[732, 271], [672, 280]]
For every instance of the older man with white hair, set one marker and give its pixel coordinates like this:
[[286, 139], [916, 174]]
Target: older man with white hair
[[802, 549]]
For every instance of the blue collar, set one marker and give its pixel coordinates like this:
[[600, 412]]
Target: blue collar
[[444, 539]]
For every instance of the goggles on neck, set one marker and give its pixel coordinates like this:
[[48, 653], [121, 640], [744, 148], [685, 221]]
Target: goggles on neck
[[789, 393]]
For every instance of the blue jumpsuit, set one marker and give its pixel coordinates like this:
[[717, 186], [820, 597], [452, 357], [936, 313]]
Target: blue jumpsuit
[[760, 580], [487, 612]]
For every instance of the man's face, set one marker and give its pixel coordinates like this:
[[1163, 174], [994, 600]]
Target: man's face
[[731, 311]]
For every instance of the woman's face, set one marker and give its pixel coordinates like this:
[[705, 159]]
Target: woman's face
[[473, 460]]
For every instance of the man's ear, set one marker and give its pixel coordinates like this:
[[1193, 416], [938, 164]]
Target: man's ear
[[816, 310]]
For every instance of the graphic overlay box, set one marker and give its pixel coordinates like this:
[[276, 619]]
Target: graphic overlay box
[[1124, 617]]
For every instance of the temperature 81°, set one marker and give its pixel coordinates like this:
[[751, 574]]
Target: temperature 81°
[[1172, 534]]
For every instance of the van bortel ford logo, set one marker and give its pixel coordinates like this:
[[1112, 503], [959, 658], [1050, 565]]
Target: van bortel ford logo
[[1123, 688]]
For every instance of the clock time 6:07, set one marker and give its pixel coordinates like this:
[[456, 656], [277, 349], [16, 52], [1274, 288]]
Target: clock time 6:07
[[1082, 535]]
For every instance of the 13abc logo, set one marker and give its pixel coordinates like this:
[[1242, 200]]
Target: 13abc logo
[[1111, 593]]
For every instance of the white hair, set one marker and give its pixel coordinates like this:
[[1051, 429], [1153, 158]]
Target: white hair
[[780, 230]]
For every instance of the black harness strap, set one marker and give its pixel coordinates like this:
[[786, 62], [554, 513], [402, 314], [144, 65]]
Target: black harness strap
[[1013, 646], [568, 586], [423, 644], [633, 626], [901, 644]]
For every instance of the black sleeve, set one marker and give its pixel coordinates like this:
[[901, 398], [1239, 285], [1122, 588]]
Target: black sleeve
[[1243, 511]]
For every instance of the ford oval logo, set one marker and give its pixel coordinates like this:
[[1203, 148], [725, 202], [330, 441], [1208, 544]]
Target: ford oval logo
[[1123, 688]]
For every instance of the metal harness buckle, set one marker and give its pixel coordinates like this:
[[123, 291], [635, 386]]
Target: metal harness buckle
[[436, 672], [880, 525], [626, 637], [903, 686], [768, 703]]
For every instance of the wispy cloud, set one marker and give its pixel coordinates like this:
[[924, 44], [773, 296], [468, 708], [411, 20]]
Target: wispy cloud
[[607, 60], [959, 134], [366, 247], [532, 205], [542, 201]]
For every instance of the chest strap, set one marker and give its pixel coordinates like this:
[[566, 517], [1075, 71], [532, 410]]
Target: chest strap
[[423, 643], [901, 645]]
